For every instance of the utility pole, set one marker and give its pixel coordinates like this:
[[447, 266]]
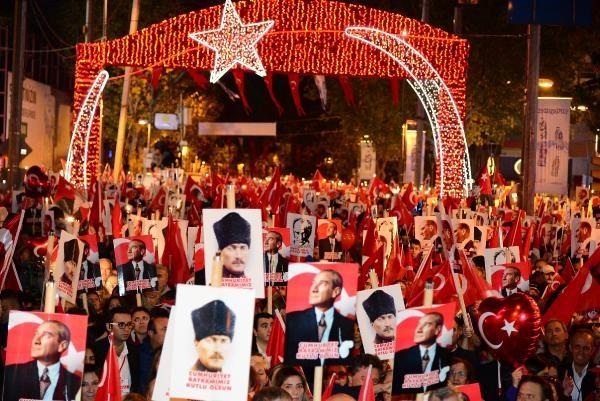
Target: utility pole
[[87, 29], [16, 98], [420, 142], [530, 126], [105, 20], [133, 23]]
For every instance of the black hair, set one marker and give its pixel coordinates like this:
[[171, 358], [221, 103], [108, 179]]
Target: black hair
[[544, 385], [119, 310], [364, 360], [262, 315]]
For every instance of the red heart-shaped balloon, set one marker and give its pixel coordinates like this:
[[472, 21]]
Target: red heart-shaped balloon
[[348, 239], [509, 327]]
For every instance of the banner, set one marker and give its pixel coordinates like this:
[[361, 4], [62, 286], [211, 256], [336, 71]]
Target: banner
[[410, 146], [552, 145], [368, 161]]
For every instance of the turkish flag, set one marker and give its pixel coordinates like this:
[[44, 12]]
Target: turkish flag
[[109, 388], [394, 270], [367, 392], [273, 193], [582, 294], [275, 346], [443, 287], [115, 218], [474, 287], [174, 256], [64, 190], [159, 200], [329, 389], [485, 182], [409, 197], [374, 262]]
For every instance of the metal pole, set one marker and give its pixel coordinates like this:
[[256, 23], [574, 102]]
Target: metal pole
[[529, 128], [105, 20], [16, 98], [420, 140], [87, 29], [133, 23]]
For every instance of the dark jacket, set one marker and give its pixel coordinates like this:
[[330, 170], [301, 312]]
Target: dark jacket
[[304, 324], [22, 381], [587, 384], [325, 246], [133, 358], [281, 267], [126, 273], [408, 361]]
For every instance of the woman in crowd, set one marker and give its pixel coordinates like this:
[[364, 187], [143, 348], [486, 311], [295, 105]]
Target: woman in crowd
[[292, 381]]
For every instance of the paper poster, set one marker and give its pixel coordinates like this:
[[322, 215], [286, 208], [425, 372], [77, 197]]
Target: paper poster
[[377, 311], [310, 200], [497, 260], [552, 145], [162, 384], [67, 265], [387, 229], [320, 306], [303, 229], [329, 233], [430, 329], [237, 235], [39, 340], [584, 237], [277, 243], [427, 231], [465, 235], [47, 222], [368, 161], [136, 264], [469, 392], [212, 349], [90, 277]]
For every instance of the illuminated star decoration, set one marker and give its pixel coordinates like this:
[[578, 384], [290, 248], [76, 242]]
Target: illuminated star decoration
[[234, 43], [509, 327]]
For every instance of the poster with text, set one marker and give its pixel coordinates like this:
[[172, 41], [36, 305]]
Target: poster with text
[[422, 358], [90, 277], [38, 340], [552, 145], [67, 265], [136, 264], [584, 237], [237, 235], [377, 311], [276, 243], [320, 306], [212, 351], [162, 385], [427, 231], [303, 229], [329, 234]]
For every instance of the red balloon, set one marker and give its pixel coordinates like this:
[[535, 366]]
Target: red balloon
[[509, 327], [348, 239]]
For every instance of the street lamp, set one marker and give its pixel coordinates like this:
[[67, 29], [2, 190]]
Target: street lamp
[[545, 83]]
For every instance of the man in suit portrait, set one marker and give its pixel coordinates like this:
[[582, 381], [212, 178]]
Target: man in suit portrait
[[425, 365], [301, 232], [137, 269], [584, 240], [214, 325], [275, 262], [44, 378], [429, 230], [233, 239], [380, 309], [330, 248], [320, 323], [89, 271], [510, 279]]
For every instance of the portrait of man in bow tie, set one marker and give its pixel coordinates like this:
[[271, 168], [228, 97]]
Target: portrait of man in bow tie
[[137, 274]]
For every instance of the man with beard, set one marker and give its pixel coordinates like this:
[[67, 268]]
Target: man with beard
[[380, 309], [214, 325], [233, 238]]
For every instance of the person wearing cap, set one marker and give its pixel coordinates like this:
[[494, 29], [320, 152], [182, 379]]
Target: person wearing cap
[[233, 238], [510, 278], [380, 309], [214, 325]]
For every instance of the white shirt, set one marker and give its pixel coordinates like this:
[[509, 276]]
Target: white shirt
[[510, 292], [125, 373], [577, 381], [328, 321], [273, 259], [141, 266], [53, 373], [430, 353]]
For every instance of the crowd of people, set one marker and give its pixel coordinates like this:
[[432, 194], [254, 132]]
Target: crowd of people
[[564, 367]]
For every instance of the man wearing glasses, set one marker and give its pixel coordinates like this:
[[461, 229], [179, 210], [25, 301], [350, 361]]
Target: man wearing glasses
[[120, 326]]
